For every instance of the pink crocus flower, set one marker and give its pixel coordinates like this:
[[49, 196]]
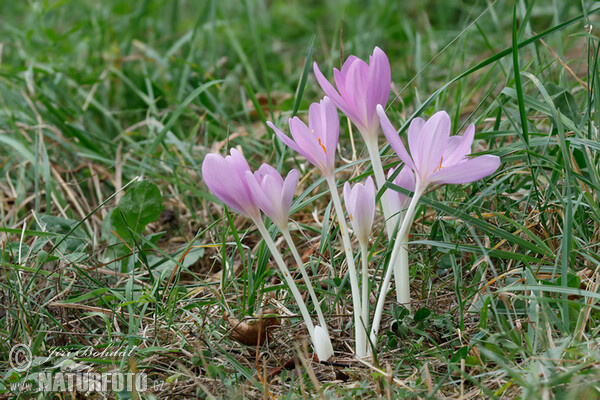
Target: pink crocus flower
[[273, 194], [435, 156], [226, 179], [360, 204], [316, 142], [404, 179], [360, 88]]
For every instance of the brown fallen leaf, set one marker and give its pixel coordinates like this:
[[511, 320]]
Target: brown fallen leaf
[[253, 332]]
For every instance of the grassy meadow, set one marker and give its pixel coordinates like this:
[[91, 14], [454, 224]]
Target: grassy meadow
[[114, 256]]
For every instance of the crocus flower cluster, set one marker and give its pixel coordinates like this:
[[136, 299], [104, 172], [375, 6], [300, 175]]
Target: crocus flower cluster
[[231, 181], [436, 157]]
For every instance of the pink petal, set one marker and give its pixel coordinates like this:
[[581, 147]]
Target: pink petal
[[306, 140], [347, 108], [406, 180], [288, 190], [348, 198], [462, 146], [223, 180], [467, 171], [284, 138], [393, 138], [370, 185], [272, 190], [332, 93], [364, 210], [270, 181], [324, 126], [433, 141], [332, 130], [414, 138], [356, 89], [346, 67], [379, 84], [259, 196]]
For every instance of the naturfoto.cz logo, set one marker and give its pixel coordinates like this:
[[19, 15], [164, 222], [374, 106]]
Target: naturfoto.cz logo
[[20, 360]]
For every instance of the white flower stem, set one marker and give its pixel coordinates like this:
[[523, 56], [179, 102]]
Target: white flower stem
[[403, 285], [361, 336], [311, 291], [390, 219], [364, 250], [403, 281], [288, 278]]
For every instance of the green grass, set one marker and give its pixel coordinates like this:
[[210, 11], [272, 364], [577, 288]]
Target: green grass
[[110, 240]]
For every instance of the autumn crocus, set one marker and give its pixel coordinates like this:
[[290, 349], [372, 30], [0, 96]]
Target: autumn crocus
[[360, 204], [274, 196], [360, 87], [317, 142], [227, 178], [436, 158]]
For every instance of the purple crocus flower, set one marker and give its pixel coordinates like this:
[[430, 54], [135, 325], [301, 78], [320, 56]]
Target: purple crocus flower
[[360, 88], [317, 141], [360, 204], [272, 194], [226, 179], [435, 156], [405, 179]]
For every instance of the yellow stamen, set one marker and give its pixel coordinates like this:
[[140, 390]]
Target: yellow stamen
[[351, 219], [440, 167], [324, 149]]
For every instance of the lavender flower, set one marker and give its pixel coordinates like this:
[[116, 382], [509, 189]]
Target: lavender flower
[[316, 142], [435, 156], [360, 203], [226, 179], [360, 88], [272, 194]]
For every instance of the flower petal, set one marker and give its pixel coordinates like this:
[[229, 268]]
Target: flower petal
[[259, 196], [405, 179], [330, 91], [284, 138], [324, 131], [225, 179], [393, 138], [364, 210], [348, 198], [332, 130], [356, 89], [288, 190], [414, 138], [306, 140], [467, 171], [348, 107], [433, 141], [461, 148], [346, 68], [379, 84]]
